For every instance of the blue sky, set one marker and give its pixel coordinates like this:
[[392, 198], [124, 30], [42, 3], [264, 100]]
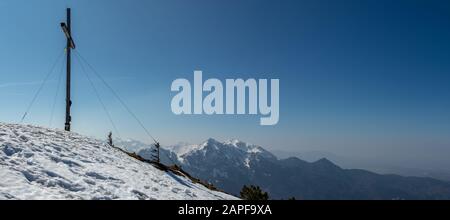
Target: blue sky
[[356, 77]]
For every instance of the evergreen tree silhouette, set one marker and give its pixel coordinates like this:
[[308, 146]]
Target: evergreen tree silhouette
[[110, 140], [253, 193]]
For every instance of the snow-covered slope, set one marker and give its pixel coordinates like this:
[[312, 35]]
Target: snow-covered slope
[[41, 163]]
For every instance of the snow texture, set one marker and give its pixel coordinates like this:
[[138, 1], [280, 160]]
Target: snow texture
[[41, 163]]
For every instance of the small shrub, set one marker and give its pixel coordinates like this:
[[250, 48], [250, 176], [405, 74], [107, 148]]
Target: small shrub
[[253, 193]]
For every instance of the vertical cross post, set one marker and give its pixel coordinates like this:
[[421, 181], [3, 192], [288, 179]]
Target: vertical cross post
[[70, 45]]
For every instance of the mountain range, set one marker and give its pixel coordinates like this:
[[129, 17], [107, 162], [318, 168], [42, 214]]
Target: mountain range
[[232, 164]]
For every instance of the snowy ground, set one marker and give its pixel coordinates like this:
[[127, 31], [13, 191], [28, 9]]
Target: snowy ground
[[41, 163]]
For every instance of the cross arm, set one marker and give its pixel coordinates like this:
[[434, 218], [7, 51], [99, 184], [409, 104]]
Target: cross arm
[[68, 36]]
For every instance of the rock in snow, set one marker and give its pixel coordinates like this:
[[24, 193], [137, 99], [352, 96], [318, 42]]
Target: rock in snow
[[41, 163]]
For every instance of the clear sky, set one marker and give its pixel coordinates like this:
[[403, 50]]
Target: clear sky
[[356, 77]]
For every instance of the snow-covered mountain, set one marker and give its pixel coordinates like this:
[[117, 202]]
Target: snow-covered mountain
[[232, 164], [41, 163], [239, 152]]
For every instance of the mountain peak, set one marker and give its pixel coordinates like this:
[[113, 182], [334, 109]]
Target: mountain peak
[[325, 162], [230, 149], [234, 141], [211, 141]]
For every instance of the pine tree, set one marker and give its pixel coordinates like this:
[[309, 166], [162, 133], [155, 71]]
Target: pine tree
[[110, 140], [253, 193]]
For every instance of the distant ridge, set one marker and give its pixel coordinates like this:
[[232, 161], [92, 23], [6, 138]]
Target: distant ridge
[[230, 165]]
